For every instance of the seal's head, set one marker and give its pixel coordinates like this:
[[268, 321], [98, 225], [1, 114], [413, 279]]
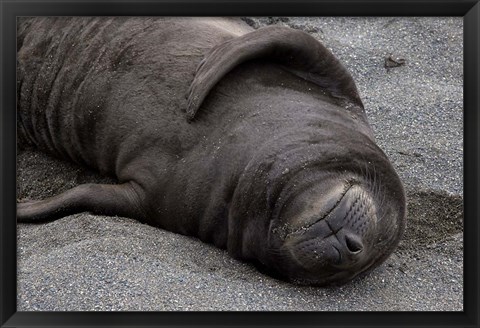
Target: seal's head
[[317, 212], [329, 220], [334, 227]]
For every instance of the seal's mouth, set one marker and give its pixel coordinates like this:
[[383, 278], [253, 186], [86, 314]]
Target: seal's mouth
[[302, 208], [314, 219], [338, 235]]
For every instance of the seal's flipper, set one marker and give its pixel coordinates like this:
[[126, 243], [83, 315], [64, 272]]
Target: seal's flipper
[[102, 199], [296, 50]]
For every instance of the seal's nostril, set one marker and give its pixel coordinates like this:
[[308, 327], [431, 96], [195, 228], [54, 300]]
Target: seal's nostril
[[354, 245]]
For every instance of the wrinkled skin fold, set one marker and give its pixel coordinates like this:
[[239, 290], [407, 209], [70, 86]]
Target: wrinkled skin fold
[[253, 140]]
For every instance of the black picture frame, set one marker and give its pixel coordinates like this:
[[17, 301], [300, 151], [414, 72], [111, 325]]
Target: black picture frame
[[469, 9]]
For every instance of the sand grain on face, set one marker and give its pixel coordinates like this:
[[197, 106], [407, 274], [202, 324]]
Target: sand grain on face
[[96, 263]]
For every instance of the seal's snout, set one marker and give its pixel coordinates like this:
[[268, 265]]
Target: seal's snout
[[349, 247], [348, 223], [333, 230], [334, 244], [353, 244]]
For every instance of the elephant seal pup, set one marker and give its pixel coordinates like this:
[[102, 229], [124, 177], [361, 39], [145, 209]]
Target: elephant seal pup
[[268, 155]]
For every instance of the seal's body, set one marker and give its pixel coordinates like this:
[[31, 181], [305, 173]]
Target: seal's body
[[255, 141]]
